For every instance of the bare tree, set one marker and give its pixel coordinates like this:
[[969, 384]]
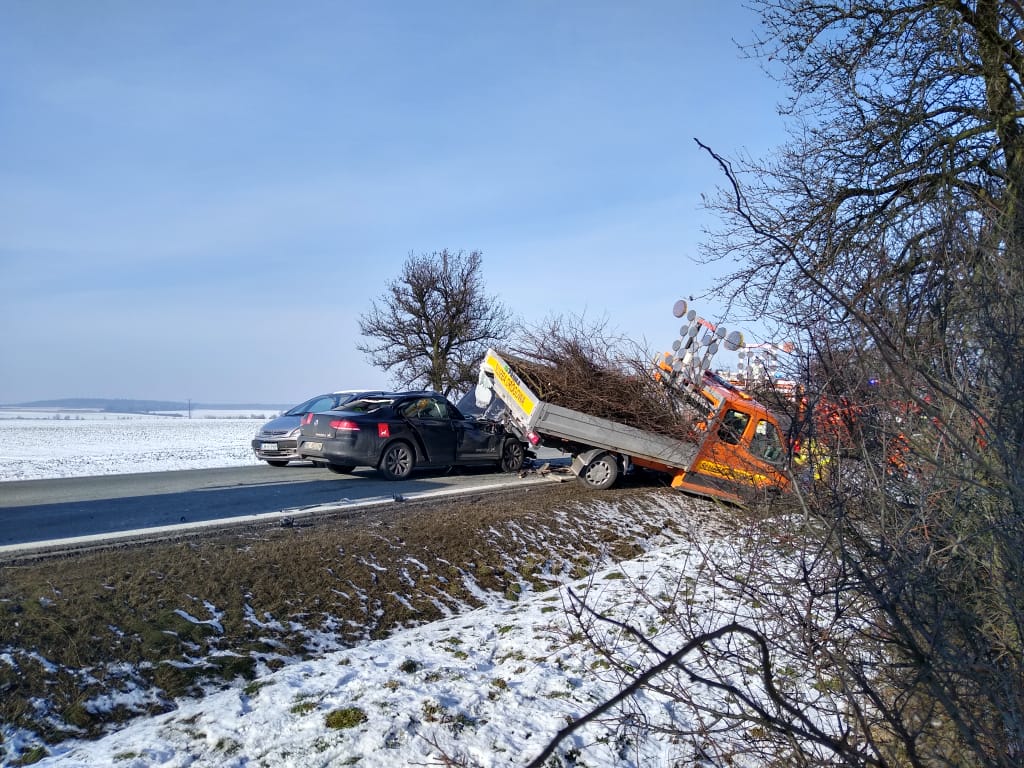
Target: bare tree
[[434, 322], [888, 237]]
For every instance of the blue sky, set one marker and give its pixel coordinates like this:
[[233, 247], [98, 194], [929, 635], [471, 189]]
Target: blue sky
[[198, 200]]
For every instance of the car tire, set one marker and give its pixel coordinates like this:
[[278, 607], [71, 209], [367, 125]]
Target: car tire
[[512, 456], [277, 463], [341, 469], [601, 473], [397, 461]]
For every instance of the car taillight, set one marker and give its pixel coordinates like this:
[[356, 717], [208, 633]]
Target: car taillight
[[344, 425], [534, 438], [307, 419]]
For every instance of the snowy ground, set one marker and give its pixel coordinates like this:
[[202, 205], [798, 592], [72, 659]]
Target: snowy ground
[[46, 444], [489, 687]]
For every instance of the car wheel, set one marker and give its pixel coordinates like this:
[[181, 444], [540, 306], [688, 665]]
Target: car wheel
[[277, 463], [512, 456], [397, 461], [601, 473], [341, 469]]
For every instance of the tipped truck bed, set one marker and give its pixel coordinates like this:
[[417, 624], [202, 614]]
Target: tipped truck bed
[[554, 423]]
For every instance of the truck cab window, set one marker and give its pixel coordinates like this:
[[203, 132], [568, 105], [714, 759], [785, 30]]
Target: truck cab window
[[734, 423], [766, 443]]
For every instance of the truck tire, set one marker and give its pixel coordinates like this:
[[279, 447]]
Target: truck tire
[[397, 461], [601, 473]]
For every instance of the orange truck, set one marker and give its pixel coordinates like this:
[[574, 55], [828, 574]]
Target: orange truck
[[736, 453]]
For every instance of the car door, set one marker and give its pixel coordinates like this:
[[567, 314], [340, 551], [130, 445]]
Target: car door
[[430, 421], [477, 440]]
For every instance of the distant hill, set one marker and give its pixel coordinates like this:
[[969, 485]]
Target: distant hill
[[137, 406]]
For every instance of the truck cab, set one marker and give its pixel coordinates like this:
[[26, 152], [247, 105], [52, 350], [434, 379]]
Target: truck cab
[[742, 451]]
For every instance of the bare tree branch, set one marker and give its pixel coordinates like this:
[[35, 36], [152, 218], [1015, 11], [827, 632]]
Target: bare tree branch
[[434, 323]]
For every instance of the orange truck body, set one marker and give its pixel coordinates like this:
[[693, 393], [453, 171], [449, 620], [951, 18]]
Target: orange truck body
[[742, 452]]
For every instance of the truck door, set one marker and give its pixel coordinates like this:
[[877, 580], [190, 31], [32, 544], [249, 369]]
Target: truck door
[[742, 454]]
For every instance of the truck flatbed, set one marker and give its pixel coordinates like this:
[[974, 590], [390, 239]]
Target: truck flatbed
[[555, 421]]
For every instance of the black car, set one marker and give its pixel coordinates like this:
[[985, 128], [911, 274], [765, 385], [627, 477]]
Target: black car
[[277, 440], [399, 432]]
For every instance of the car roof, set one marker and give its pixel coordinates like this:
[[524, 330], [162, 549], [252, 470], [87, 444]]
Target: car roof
[[358, 391], [403, 394]]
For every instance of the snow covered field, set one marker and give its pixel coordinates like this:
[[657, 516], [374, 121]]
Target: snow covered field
[[39, 444]]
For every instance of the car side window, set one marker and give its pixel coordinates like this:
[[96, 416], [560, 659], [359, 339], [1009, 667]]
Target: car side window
[[733, 425], [424, 408], [322, 404], [766, 443]]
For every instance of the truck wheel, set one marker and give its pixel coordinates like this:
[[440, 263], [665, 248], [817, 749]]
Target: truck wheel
[[341, 469], [601, 473], [397, 462], [512, 456]]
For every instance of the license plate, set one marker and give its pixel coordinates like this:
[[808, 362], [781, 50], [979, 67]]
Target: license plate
[[313, 446], [268, 446]]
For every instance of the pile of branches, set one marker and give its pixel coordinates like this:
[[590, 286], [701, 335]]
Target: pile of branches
[[570, 364]]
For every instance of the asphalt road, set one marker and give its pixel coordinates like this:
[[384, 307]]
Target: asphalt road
[[35, 513]]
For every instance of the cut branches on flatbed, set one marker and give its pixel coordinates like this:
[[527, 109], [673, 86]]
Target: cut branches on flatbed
[[586, 368]]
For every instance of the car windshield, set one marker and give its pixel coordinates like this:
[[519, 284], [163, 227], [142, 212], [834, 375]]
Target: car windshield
[[467, 406]]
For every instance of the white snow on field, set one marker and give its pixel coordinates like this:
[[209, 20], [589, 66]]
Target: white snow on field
[[39, 444]]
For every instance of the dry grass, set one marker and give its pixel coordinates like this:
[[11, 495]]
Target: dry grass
[[81, 627]]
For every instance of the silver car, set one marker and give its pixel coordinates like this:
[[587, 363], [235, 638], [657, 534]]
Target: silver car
[[277, 440]]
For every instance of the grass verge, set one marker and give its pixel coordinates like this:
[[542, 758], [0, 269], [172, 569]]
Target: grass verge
[[91, 640]]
